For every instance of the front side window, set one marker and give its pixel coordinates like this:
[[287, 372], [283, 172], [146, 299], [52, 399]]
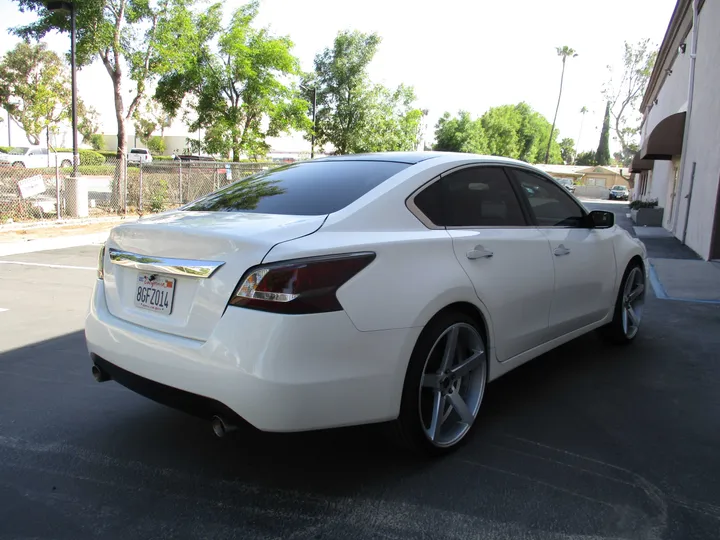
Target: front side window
[[311, 188], [472, 197], [550, 204]]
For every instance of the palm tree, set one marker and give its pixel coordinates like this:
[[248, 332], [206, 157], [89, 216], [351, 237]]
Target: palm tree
[[583, 112], [564, 52]]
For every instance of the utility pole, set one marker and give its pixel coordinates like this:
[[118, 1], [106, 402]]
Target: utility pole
[[312, 137], [69, 7]]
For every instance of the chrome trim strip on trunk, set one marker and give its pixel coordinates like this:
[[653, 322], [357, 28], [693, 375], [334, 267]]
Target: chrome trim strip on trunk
[[164, 265]]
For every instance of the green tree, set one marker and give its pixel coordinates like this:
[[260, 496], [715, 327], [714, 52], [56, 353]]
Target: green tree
[[239, 89], [586, 158], [89, 126], [602, 156], [460, 134], [624, 92], [567, 150], [34, 88], [519, 132], [393, 122], [156, 145], [136, 40], [564, 52], [344, 93]]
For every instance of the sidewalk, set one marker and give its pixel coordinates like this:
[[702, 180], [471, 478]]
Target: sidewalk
[[16, 240], [677, 272]]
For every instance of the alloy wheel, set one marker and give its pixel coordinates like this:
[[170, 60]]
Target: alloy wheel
[[452, 384], [633, 302]]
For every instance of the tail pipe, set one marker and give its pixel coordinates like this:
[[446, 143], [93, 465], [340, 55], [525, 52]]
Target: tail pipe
[[221, 427], [99, 375]]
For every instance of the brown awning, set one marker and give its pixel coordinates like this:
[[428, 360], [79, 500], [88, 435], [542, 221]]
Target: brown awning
[[639, 165], [665, 140]]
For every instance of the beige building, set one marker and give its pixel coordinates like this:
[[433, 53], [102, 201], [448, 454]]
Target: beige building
[[679, 160], [594, 176]]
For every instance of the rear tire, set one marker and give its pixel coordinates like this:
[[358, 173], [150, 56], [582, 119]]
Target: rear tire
[[629, 307], [444, 385], [18, 165], [65, 164]]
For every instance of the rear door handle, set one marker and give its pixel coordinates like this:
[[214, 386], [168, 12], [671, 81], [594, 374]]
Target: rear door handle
[[479, 253], [561, 250]]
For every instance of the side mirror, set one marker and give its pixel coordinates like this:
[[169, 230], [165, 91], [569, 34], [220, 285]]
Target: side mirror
[[601, 219]]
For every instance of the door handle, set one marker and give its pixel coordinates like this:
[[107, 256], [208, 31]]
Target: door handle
[[561, 250], [479, 253]]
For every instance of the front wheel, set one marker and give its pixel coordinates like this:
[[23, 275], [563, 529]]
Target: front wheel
[[444, 385], [65, 163], [18, 165], [629, 308]]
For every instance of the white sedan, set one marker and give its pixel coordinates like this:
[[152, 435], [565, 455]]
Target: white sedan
[[358, 289]]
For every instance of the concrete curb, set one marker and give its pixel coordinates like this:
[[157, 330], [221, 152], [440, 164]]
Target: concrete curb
[[44, 244]]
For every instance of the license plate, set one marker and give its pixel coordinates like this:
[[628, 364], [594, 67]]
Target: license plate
[[155, 293]]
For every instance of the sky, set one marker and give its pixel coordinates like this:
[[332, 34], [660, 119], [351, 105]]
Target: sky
[[457, 54]]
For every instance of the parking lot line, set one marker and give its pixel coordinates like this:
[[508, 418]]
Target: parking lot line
[[65, 266]]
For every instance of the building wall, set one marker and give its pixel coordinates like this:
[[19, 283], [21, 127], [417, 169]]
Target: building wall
[[672, 98], [703, 146]]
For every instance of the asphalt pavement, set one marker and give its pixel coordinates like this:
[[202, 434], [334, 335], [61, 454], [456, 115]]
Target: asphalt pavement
[[587, 442]]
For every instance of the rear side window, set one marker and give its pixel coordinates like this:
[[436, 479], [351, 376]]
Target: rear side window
[[301, 189], [472, 197]]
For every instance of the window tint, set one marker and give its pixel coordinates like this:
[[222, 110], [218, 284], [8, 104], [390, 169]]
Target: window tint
[[138, 151], [430, 202], [38, 152], [550, 204], [474, 197], [302, 189]]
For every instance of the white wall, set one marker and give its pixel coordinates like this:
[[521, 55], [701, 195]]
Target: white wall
[[672, 98], [704, 136]]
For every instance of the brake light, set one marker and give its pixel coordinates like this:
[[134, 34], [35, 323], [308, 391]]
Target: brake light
[[300, 286]]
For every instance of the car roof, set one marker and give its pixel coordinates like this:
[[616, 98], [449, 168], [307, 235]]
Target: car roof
[[411, 158]]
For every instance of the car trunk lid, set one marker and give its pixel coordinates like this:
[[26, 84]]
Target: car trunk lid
[[205, 253]]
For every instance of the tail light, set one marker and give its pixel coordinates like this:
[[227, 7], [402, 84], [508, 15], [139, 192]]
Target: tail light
[[299, 286], [101, 263]]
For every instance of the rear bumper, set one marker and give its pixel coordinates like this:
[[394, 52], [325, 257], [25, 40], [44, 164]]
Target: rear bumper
[[279, 373]]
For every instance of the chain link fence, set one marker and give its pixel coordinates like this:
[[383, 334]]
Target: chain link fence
[[115, 187]]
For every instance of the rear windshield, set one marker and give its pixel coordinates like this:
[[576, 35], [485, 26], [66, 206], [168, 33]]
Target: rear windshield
[[311, 188], [138, 151]]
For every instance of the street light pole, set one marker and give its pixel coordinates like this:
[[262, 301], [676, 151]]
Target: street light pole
[[8, 122], [312, 137], [76, 157], [69, 7]]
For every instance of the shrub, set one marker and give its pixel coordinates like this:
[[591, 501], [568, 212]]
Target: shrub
[[87, 157], [635, 205], [156, 145], [97, 141], [157, 201], [162, 158], [4, 149]]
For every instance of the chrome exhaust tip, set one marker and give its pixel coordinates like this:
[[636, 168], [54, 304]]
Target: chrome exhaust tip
[[99, 375], [220, 427]]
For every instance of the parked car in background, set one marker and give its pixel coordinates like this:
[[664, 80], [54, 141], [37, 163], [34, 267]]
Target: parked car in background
[[139, 155], [292, 300], [567, 183], [35, 157], [619, 193]]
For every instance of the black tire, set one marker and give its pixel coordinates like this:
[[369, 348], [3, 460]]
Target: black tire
[[65, 163], [18, 165], [614, 332], [408, 430]]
